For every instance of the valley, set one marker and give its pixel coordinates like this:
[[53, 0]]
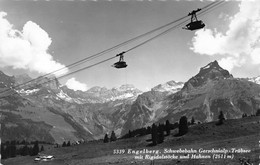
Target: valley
[[55, 114], [236, 138], [68, 115]]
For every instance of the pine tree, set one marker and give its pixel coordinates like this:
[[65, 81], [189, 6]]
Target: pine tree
[[154, 134], [183, 125], [42, 148], [148, 130], [113, 136], [221, 118], [129, 134], [258, 112], [64, 144], [68, 144], [106, 139], [167, 127], [244, 115], [35, 149]]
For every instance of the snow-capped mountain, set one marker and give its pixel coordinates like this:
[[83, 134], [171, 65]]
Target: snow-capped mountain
[[171, 87], [210, 72], [203, 96], [56, 113], [102, 94], [255, 80], [120, 93], [87, 114]]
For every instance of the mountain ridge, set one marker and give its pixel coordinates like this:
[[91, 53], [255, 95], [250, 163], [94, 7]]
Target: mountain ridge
[[76, 115]]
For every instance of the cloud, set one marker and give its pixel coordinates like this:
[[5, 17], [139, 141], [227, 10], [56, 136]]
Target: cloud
[[230, 62], [26, 49], [239, 43], [76, 85], [255, 55]]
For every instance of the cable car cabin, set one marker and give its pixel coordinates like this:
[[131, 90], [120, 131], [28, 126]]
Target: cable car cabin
[[120, 64], [195, 25]]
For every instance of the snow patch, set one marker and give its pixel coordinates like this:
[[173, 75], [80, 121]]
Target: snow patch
[[231, 103], [209, 114], [168, 87], [206, 67], [88, 130], [255, 80], [27, 92], [64, 96], [123, 96], [67, 98]]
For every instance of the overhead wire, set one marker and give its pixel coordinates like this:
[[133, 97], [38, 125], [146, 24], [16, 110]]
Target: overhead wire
[[108, 50], [89, 58], [207, 9], [126, 42], [170, 29], [165, 32]]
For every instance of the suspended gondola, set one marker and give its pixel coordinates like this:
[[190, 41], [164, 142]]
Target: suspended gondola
[[121, 63], [195, 24]]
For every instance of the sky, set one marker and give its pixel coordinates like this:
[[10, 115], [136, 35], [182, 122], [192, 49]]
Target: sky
[[40, 36]]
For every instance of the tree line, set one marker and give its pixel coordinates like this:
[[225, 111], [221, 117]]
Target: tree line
[[64, 144], [111, 139], [158, 132], [14, 148]]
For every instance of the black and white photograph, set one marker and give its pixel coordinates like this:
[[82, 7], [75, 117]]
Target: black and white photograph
[[130, 82]]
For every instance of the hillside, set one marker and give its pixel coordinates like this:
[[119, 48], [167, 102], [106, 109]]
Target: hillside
[[234, 133], [46, 111], [203, 96], [65, 114]]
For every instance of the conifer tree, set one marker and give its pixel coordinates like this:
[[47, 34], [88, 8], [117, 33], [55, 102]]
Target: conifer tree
[[68, 144], [148, 130], [154, 134], [183, 125], [129, 134], [221, 118], [64, 144], [35, 149], [167, 127], [106, 139], [258, 112], [113, 136]]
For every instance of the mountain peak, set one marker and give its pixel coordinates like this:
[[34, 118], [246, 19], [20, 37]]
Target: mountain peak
[[211, 71], [170, 86], [212, 65]]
